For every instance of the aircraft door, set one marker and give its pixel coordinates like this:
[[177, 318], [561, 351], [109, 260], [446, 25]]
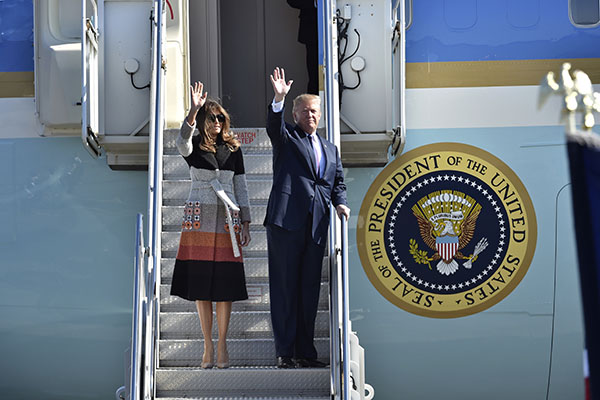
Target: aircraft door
[[235, 45], [371, 54], [176, 50], [89, 78]]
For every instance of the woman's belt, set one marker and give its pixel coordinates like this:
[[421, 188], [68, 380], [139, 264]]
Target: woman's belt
[[229, 205], [203, 184]]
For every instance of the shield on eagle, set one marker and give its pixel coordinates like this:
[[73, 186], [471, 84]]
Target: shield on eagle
[[446, 247]]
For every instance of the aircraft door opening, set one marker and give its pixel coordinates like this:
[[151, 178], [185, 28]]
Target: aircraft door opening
[[235, 45]]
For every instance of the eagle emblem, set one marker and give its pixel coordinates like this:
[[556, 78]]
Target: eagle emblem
[[447, 220]]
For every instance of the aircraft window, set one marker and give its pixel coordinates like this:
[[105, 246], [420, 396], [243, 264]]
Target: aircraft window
[[584, 13], [523, 13], [460, 14]]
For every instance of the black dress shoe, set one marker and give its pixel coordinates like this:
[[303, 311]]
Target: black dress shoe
[[310, 363], [285, 362]]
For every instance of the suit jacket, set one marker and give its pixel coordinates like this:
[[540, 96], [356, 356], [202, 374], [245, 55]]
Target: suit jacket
[[297, 190], [307, 29]]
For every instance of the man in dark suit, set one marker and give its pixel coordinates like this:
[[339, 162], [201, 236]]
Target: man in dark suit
[[307, 177], [308, 35]]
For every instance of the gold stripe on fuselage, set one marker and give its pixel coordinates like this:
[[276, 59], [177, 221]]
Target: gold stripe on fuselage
[[16, 84], [418, 75], [492, 73]]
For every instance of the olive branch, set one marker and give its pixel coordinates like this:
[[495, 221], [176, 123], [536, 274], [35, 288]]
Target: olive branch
[[420, 256]]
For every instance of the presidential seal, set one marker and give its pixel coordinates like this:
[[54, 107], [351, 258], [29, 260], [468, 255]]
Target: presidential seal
[[446, 230]]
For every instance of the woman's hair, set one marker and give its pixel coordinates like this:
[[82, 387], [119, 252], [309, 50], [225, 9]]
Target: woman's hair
[[212, 107]]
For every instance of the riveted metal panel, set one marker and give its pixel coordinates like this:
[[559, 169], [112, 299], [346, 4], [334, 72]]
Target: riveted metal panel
[[242, 352], [243, 382], [242, 325], [228, 397]]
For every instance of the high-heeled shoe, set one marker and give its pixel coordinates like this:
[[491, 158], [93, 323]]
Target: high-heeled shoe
[[224, 364], [208, 364]]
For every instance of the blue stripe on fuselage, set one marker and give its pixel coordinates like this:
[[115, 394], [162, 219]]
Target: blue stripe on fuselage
[[16, 35], [470, 30]]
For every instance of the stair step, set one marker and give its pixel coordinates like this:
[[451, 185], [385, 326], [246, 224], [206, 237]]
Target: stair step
[[170, 242], [177, 228], [257, 268], [177, 188], [247, 253], [248, 398], [172, 215], [254, 383], [242, 352], [262, 163], [252, 139], [254, 150], [243, 325], [258, 299]]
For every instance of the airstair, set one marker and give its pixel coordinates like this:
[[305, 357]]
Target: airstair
[[167, 343], [251, 347]]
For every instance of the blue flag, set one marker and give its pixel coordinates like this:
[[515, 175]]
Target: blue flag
[[584, 162]]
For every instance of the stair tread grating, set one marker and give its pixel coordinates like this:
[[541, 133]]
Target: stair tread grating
[[242, 352], [251, 382], [243, 325]]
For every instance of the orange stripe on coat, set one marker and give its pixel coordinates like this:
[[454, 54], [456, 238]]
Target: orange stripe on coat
[[205, 239], [203, 253], [201, 246]]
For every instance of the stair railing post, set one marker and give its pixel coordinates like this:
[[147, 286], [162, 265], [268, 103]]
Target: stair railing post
[[139, 300], [154, 201], [345, 312], [328, 35]]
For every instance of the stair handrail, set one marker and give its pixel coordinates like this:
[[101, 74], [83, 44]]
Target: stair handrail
[[147, 275], [339, 341], [139, 304], [345, 305], [154, 199]]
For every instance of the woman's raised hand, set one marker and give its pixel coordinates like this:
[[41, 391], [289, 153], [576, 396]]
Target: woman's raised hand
[[198, 99], [280, 86]]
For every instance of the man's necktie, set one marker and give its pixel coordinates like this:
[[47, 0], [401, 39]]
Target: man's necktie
[[317, 149]]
